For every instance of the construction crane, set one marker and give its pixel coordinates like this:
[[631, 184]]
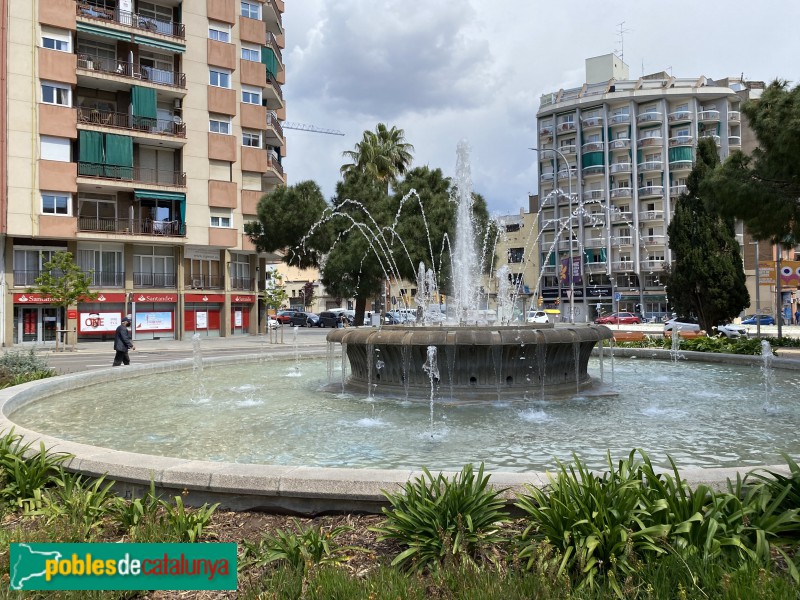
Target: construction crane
[[310, 128]]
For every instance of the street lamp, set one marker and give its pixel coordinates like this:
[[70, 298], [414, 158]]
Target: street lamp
[[571, 260]]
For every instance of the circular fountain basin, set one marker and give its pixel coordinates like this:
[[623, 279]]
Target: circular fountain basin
[[475, 363], [264, 436]]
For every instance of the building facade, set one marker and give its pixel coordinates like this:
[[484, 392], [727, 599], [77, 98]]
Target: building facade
[[140, 136], [613, 156]]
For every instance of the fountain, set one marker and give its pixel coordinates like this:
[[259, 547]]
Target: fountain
[[484, 361]]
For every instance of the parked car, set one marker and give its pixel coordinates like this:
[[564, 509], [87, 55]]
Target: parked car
[[537, 316], [285, 316], [622, 318], [312, 319], [755, 319], [329, 319], [298, 319], [272, 322], [681, 324], [731, 331]]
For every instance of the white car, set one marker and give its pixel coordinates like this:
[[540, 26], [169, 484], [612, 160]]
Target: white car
[[272, 322], [681, 324], [537, 316], [731, 331]]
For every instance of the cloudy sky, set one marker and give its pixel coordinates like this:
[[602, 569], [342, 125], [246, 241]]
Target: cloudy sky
[[447, 70]]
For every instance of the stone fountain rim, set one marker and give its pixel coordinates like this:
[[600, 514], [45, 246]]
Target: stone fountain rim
[[239, 486]]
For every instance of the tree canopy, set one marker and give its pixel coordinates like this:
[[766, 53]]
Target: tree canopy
[[763, 189], [63, 281], [707, 276], [382, 154]]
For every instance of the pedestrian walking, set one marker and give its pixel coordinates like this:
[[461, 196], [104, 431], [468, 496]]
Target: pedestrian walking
[[797, 316], [123, 343]]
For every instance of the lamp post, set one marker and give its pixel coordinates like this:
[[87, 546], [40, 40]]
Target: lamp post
[[571, 260]]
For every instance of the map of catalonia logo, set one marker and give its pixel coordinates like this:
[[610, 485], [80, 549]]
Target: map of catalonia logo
[[122, 566]]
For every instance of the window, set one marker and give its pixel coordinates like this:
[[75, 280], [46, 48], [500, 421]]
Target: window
[[55, 203], [105, 261], [220, 78], [56, 93], [251, 53], [221, 220], [251, 95], [220, 170], [516, 255], [153, 266], [656, 157], [219, 124], [219, 32], [681, 132], [29, 262], [512, 227], [56, 39], [251, 10], [682, 107], [251, 138], [651, 133], [55, 148]]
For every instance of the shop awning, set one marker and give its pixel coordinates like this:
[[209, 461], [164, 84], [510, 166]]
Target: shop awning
[[160, 44], [178, 197], [97, 30]]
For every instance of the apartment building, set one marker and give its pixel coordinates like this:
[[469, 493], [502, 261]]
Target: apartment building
[[613, 157], [140, 136]]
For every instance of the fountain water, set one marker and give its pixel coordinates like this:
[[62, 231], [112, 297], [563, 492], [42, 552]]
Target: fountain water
[[768, 374]]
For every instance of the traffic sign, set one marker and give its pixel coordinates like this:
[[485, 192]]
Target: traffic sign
[[617, 296]]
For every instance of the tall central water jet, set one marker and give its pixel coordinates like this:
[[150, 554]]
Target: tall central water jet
[[466, 266]]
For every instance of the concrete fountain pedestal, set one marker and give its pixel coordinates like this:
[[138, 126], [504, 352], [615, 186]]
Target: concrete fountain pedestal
[[472, 362]]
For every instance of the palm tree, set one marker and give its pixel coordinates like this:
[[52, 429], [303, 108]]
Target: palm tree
[[383, 154]]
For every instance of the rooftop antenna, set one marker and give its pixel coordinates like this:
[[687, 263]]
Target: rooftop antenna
[[621, 35]]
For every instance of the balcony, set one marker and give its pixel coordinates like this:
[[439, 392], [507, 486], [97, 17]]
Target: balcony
[[596, 267], [121, 68], [273, 124], [594, 219], [548, 176], [273, 93], [566, 174], [242, 284], [619, 144], [591, 122], [174, 127], [734, 116], [650, 165], [592, 147], [621, 167], [595, 243], [623, 265], [650, 142], [204, 282], [564, 245], [708, 116], [23, 278], [106, 279], [622, 192], [154, 280], [735, 141], [676, 190], [620, 119], [566, 127], [653, 265], [651, 215], [651, 190], [594, 170], [549, 270], [274, 171], [593, 195], [129, 19], [650, 117], [679, 116], [132, 174], [713, 136], [621, 217], [680, 165], [546, 130], [567, 149], [681, 140], [132, 226], [622, 240], [655, 239]]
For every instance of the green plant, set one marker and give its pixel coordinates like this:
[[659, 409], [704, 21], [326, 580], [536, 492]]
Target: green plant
[[21, 367], [439, 519], [186, 525], [131, 515], [777, 482], [25, 471], [80, 501], [597, 523], [300, 549]]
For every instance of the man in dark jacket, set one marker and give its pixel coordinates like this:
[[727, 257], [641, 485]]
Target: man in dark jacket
[[123, 343]]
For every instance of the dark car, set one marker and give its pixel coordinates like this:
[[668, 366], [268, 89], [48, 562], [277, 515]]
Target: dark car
[[312, 319], [298, 319], [755, 319], [285, 316], [331, 319]]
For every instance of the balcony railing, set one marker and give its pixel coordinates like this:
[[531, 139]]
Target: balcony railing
[[548, 176], [204, 282], [106, 279], [734, 140], [734, 116], [594, 170], [679, 165], [624, 265], [622, 167], [594, 243], [123, 68], [649, 117], [134, 174], [707, 116], [549, 269], [546, 130], [619, 144], [132, 226], [272, 42], [564, 244], [592, 122], [651, 215], [653, 265], [655, 239], [129, 19], [624, 192], [681, 140], [651, 190], [274, 162], [242, 283], [621, 217], [620, 119], [272, 121], [713, 136], [568, 149], [679, 115], [593, 195], [651, 165], [154, 280], [566, 173], [646, 142], [592, 147], [104, 118], [676, 190], [566, 126], [622, 240], [596, 266], [25, 278]]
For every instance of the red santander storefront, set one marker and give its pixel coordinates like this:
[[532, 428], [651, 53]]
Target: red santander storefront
[[98, 319], [154, 315], [202, 314], [241, 309]]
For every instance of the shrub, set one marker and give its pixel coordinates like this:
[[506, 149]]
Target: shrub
[[185, 525], [21, 367], [22, 475], [438, 518]]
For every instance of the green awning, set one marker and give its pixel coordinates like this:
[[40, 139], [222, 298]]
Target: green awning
[[592, 159], [269, 59], [160, 44], [143, 102], [682, 153], [178, 197], [102, 31], [90, 152], [119, 156]]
